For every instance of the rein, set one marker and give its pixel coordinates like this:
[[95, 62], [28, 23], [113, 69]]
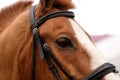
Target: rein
[[46, 53]]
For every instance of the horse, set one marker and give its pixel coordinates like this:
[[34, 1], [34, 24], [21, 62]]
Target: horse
[[44, 42]]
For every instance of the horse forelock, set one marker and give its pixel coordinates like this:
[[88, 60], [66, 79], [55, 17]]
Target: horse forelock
[[8, 14]]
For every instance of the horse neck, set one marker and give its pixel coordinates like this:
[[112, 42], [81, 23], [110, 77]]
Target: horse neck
[[13, 40], [10, 13], [22, 39]]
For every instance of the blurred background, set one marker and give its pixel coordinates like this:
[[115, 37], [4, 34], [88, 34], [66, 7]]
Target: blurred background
[[100, 18]]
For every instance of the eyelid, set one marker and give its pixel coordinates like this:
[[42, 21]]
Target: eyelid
[[64, 36]]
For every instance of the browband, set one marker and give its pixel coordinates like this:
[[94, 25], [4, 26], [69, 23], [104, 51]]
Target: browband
[[41, 20]]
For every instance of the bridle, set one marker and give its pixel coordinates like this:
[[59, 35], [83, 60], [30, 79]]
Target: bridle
[[46, 53]]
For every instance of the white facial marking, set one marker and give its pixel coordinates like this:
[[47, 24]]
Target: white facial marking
[[96, 57]]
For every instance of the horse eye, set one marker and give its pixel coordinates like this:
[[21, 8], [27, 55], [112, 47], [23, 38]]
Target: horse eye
[[64, 42]]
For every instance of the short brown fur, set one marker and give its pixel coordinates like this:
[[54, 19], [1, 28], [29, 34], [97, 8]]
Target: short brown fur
[[8, 14], [16, 43]]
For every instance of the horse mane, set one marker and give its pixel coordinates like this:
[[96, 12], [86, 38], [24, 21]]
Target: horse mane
[[8, 14]]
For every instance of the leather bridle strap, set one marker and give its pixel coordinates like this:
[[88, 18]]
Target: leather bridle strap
[[40, 42], [101, 71], [45, 52], [35, 24], [48, 52]]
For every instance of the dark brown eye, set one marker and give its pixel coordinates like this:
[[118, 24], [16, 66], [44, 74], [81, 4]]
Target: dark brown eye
[[64, 42]]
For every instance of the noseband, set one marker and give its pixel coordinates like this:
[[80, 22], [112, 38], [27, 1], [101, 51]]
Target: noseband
[[45, 52]]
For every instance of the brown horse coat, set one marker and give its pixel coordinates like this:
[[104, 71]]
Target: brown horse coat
[[16, 43]]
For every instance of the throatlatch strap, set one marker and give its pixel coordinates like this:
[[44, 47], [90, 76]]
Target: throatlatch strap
[[31, 16], [33, 59]]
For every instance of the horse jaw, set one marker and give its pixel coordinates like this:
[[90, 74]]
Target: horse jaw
[[96, 56]]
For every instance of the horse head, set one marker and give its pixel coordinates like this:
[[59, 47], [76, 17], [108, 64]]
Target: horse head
[[62, 49]]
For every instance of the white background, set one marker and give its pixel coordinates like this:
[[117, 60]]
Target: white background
[[95, 16]]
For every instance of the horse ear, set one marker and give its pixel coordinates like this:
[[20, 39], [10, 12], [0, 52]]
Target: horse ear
[[46, 4], [60, 4], [42, 7]]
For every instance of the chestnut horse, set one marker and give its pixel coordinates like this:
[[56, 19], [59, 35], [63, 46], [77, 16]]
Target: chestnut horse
[[72, 54]]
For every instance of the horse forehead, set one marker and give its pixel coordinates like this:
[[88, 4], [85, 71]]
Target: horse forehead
[[62, 22], [58, 25]]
